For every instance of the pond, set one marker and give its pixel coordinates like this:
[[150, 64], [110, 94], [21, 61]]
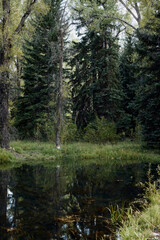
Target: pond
[[66, 202]]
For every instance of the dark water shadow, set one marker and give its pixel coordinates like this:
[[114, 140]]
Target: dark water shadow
[[46, 203]]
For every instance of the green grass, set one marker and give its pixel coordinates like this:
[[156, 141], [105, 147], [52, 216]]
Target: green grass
[[122, 152], [143, 225]]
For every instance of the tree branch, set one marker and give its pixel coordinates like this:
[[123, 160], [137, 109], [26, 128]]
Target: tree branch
[[87, 23], [25, 16], [138, 13], [120, 30], [119, 19], [128, 9]]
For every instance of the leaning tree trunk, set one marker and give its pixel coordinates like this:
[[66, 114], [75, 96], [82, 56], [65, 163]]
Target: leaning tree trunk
[[59, 100]]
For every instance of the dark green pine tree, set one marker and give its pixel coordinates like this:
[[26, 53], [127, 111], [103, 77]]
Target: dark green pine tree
[[128, 70], [39, 74], [148, 96], [95, 86]]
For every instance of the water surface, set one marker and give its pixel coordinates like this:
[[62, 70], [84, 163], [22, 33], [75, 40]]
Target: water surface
[[65, 202]]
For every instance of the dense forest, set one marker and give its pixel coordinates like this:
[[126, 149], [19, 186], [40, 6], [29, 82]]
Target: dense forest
[[84, 70]]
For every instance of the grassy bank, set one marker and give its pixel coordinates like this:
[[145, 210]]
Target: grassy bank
[[144, 225], [121, 152]]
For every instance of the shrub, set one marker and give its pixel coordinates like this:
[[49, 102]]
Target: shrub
[[69, 133], [101, 131], [45, 131], [4, 156]]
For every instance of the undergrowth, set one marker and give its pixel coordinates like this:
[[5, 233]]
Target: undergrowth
[[144, 225]]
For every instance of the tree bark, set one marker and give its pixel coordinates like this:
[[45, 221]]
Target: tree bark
[[59, 102], [25, 16], [138, 14], [18, 76], [4, 76], [4, 132]]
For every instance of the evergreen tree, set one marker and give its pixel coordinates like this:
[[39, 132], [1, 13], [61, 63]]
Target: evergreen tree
[[148, 95], [95, 86], [127, 122], [39, 75]]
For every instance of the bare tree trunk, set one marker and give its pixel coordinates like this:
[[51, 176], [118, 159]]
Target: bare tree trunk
[[138, 13], [59, 103], [18, 76], [4, 133]]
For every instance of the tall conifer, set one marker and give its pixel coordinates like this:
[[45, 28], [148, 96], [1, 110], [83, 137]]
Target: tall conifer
[[40, 76], [128, 70], [149, 92], [95, 85]]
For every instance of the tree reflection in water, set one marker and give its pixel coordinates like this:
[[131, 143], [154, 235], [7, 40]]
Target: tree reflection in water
[[64, 202]]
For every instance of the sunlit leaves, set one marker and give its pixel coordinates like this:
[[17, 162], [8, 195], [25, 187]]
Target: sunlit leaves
[[18, 8], [129, 13], [41, 8], [93, 13]]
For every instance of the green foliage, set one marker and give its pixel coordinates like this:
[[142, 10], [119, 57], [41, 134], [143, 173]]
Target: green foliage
[[36, 108], [18, 149], [148, 97], [45, 131], [142, 225], [69, 133], [117, 213], [101, 131], [128, 120], [5, 157], [94, 80]]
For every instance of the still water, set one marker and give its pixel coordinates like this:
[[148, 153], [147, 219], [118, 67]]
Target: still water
[[65, 202]]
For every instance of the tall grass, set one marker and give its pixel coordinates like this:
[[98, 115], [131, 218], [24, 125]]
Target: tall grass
[[122, 152], [144, 225]]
